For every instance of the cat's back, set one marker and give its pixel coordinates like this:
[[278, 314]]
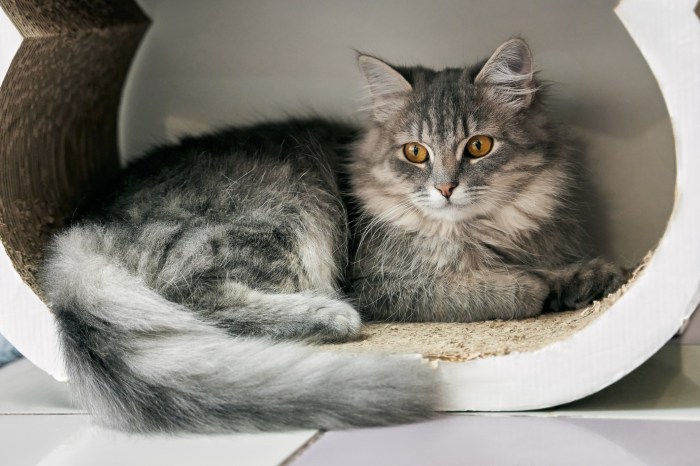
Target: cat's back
[[225, 172]]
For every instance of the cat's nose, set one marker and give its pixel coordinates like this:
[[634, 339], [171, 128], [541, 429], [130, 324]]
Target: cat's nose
[[446, 188]]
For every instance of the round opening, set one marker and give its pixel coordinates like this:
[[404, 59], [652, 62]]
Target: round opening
[[241, 62]]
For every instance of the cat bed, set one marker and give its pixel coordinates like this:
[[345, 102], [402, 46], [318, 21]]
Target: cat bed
[[63, 65]]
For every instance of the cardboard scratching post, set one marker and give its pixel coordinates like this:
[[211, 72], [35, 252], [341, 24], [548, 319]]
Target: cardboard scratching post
[[63, 68]]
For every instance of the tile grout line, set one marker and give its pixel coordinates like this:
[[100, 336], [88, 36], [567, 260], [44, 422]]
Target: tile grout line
[[301, 449]]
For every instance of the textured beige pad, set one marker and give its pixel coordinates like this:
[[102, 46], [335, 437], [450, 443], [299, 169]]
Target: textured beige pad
[[462, 342]]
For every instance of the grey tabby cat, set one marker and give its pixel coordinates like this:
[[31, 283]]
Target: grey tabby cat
[[177, 297], [466, 193]]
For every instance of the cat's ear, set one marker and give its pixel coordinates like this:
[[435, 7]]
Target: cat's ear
[[508, 75], [388, 90]]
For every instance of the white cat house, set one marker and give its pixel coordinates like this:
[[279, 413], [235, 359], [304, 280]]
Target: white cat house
[[626, 78]]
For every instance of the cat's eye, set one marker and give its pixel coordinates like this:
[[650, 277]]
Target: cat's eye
[[414, 152], [479, 145]]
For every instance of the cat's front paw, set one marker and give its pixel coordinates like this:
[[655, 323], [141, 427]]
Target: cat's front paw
[[579, 285], [333, 321]]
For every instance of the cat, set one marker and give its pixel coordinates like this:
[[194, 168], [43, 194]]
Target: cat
[[465, 191], [186, 294]]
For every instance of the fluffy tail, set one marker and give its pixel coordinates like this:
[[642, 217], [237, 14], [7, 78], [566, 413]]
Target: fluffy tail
[[142, 363]]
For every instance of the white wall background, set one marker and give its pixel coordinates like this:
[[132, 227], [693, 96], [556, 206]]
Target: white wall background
[[216, 62]]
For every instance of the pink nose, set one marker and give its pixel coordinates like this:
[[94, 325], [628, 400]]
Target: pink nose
[[446, 188]]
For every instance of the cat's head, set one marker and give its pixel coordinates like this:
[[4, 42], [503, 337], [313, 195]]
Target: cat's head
[[448, 146]]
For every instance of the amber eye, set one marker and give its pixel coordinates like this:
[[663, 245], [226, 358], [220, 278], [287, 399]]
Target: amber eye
[[414, 152], [479, 145]]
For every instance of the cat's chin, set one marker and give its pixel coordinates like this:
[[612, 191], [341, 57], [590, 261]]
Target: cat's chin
[[449, 212]]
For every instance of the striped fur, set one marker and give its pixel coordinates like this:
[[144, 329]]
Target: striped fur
[[179, 298]]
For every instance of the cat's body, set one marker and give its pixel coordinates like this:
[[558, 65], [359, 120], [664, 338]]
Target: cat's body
[[159, 292], [174, 297]]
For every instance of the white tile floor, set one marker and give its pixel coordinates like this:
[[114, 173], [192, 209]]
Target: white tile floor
[[651, 417], [513, 440]]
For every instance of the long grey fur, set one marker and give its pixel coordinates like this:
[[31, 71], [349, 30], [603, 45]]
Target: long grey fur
[[176, 299], [507, 242]]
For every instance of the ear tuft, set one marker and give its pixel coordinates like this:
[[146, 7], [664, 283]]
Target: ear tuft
[[388, 90], [508, 75]]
